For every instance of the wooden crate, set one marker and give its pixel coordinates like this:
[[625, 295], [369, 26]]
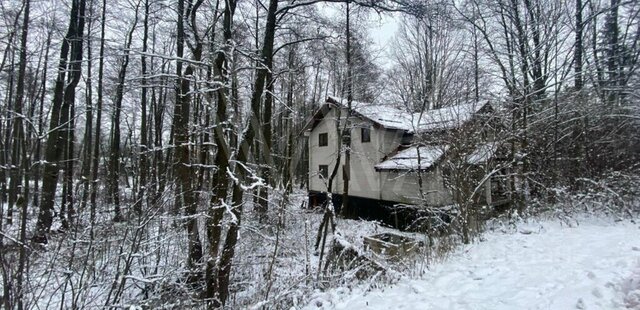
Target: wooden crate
[[390, 245]]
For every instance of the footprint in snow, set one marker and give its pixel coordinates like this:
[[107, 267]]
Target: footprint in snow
[[596, 292], [416, 290], [526, 231]]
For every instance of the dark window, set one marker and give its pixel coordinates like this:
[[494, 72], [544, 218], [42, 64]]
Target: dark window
[[323, 139], [365, 135], [324, 171]]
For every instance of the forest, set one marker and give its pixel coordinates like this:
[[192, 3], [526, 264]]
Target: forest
[[152, 151]]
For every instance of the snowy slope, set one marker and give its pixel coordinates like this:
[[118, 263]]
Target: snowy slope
[[545, 266]]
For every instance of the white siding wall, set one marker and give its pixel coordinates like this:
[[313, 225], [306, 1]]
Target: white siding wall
[[364, 156], [389, 142], [325, 155], [403, 187], [365, 180]]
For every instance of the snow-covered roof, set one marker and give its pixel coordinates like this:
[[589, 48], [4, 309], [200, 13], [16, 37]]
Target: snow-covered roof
[[391, 117], [482, 153], [431, 154], [408, 159], [445, 118], [385, 115]]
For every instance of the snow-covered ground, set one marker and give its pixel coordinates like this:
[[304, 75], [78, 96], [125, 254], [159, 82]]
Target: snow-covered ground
[[594, 265]]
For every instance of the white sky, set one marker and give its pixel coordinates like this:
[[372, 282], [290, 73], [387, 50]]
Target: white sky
[[382, 30]]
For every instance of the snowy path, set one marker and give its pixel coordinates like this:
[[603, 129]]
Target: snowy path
[[592, 266]]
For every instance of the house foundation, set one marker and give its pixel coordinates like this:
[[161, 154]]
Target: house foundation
[[389, 213]]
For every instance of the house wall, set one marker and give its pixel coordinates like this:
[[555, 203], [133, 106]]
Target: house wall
[[325, 155], [365, 180], [402, 186], [389, 142]]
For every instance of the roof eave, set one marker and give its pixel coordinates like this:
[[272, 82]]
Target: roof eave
[[315, 118], [404, 169]]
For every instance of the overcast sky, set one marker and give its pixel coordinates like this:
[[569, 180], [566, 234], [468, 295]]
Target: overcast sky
[[382, 30], [384, 27]]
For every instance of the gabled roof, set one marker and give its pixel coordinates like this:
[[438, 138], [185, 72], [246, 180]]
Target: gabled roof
[[408, 159], [390, 117], [447, 117], [386, 116], [430, 155], [483, 153]]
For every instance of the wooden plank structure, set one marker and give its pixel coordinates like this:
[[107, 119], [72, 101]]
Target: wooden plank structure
[[391, 246]]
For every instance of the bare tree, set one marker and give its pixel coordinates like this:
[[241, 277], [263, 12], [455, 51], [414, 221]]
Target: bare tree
[[114, 150], [63, 98]]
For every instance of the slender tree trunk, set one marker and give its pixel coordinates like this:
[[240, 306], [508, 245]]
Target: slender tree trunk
[[70, 163], [21, 201], [96, 146], [577, 54], [67, 210], [612, 33], [18, 128], [267, 144], [115, 156], [62, 215], [220, 181], [287, 170], [183, 169], [6, 150], [346, 135], [41, 119], [143, 121], [9, 53], [88, 125], [476, 67], [228, 250], [158, 167]]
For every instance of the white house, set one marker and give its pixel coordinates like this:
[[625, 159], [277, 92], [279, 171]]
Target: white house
[[386, 159]]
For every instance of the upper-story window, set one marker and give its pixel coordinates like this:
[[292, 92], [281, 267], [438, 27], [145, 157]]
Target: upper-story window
[[365, 135], [323, 139]]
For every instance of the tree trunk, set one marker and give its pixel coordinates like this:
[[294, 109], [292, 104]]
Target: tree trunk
[[577, 54], [611, 34], [228, 251], [18, 128], [267, 144], [96, 146], [4, 150], [43, 90], [114, 156], [21, 201], [183, 169], [62, 99], [220, 181], [143, 121], [88, 125], [346, 135]]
